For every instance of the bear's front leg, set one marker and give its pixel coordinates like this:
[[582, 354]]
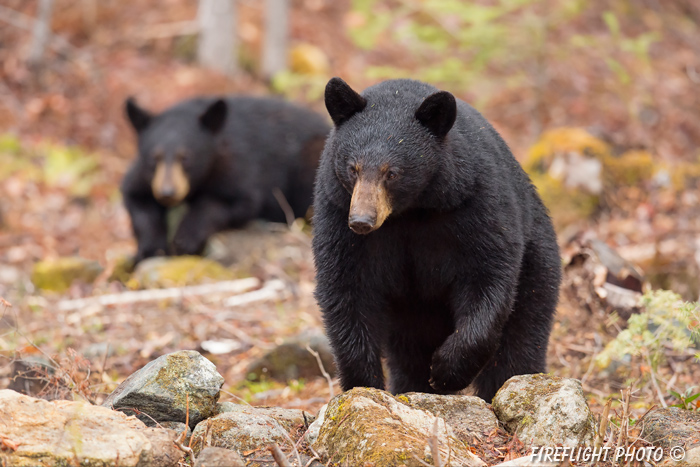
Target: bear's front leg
[[148, 220], [480, 309], [207, 215], [351, 305]]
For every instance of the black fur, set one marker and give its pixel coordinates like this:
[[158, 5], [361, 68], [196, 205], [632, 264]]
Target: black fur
[[235, 152], [460, 284]]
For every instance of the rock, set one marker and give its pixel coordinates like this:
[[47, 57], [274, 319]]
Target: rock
[[159, 389], [469, 416], [122, 269], [691, 459], [545, 410], [57, 275], [315, 428], [164, 451], [288, 418], [672, 426], [30, 374], [366, 426], [177, 427], [177, 271], [291, 360], [61, 433], [242, 431], [219, 457]]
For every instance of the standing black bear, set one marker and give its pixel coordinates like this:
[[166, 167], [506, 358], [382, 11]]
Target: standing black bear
[[225, 158], [432, 247]]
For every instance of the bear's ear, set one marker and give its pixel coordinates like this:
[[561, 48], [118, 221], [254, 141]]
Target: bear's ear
[[138, 117], [342, 101], [214, 117], [438, 113]]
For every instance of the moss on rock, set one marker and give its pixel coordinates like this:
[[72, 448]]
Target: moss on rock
[[58, 274]]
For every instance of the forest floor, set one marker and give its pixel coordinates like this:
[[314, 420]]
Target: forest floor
[[52, 204]]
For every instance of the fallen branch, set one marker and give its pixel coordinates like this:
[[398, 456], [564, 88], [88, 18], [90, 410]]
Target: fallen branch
[[279, 456], [323, 371], [272, 290], [236, 287]]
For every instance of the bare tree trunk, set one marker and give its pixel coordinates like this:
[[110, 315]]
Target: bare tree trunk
[[41, 32], [217, 35], [275, 47]]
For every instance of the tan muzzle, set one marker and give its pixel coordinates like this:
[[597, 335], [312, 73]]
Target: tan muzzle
[[170, 184], [369, 207]]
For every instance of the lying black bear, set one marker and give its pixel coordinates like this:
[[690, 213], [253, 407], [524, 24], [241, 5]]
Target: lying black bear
[[432, 247], [231, 160]]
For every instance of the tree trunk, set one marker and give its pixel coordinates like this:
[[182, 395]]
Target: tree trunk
[[217, 35], [41, 32], [275, 46]]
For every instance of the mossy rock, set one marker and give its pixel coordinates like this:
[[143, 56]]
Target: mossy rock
[[545, 410], [573, 170], [122, 269], [366, 426], [177, 271], [58, 274]]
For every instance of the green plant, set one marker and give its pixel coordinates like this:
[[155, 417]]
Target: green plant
[[665, 320], [685, 400], [457, 44]]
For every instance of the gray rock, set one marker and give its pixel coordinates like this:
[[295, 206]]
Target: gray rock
[[177, 427], [164, 452], [30, 374], [291, 360], [672, 426], [469, 416], [289, 418], [367, 426], [159, 390], [219, 457], [241, 431], [545, 410]]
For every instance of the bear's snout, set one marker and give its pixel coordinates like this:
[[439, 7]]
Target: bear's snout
[[369, 207], [362, 224]]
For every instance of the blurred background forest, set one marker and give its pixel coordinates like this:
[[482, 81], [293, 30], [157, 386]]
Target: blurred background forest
[[598, 99]]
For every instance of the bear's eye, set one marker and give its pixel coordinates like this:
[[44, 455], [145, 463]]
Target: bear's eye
[[391, 175], [353, 171]]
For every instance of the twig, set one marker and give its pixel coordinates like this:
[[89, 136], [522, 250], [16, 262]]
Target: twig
[[323, 370], [603, 427], [236, 286], [273, 289], [624, 422], [434, 444], [279, 456], [181, 438], [284, 204], [655, 383]]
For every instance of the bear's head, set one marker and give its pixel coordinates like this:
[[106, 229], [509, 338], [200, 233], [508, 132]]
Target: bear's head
[[387, 146], [177, 147]]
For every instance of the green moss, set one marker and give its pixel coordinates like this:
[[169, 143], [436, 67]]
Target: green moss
[[178, 272], [58, 274]]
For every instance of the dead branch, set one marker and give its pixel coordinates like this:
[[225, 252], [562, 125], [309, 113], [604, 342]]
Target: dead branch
[[279, 456], [434, 444], [603, 427], [181, 438], [272, 290], [323, 370], [284, 204], [235, 287]]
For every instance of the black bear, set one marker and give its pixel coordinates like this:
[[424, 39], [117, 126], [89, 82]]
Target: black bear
[[432, 247], [230, 159]]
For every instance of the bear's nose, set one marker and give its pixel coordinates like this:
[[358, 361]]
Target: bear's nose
[[361, 224]]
